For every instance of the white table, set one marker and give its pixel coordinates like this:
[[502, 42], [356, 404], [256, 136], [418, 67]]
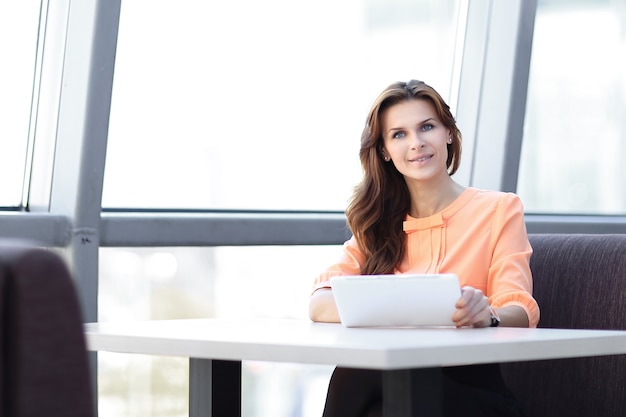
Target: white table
[[411, 358]]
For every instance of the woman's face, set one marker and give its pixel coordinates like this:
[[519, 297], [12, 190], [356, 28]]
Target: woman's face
[[415, 140]]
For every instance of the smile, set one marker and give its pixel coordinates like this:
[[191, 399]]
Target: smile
[[421, 158]]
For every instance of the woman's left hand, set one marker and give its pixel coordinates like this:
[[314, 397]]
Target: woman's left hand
[[472, 309]]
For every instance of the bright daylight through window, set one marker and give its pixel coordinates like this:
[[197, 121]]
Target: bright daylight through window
[[575, 129], [19, 23], [244, 108]]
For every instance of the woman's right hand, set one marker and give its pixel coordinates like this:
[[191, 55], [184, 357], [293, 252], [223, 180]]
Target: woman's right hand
[[322, 307]]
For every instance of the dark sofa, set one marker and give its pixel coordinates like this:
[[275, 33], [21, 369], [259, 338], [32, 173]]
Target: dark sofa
[[579, 283], [44, 364]]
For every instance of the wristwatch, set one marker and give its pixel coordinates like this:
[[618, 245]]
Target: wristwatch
[[495, 319]]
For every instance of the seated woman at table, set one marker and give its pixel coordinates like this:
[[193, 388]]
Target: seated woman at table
[[409, 216]]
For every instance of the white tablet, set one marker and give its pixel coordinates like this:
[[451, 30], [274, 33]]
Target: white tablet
[[396, 300]]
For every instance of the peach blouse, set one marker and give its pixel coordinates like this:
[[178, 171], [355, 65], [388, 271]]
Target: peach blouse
[[481, 237]]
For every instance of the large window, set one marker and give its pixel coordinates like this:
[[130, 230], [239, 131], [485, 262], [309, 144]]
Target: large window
[[259, 105], [244, 106], [575, 131], [19, 22]]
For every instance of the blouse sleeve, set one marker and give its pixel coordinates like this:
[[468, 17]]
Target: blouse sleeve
[[349, 264], [510, 279]]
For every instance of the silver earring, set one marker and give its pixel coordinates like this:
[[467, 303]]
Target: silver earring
[[386, 158], [449, 141]]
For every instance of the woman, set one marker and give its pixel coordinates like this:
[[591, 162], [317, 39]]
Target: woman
[[409, 216]]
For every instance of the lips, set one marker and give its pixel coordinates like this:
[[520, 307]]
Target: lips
[[421, 158]]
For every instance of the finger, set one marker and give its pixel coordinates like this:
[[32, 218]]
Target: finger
[[462, 305], [470, 299], [479, 309], [466, 296], [479, 315], [472, 308], [461, 308]]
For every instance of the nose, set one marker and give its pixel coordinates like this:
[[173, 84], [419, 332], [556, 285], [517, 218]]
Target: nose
[[416, 141]]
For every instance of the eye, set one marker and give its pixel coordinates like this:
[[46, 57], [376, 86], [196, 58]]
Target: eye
[[427, 127], [398, 135]]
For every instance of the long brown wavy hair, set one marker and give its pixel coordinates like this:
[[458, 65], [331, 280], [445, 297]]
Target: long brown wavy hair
[[381, 201]]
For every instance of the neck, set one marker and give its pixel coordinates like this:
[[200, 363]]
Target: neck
[[431, 199]]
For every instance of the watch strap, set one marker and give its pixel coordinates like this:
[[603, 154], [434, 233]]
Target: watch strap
[[495, 319]]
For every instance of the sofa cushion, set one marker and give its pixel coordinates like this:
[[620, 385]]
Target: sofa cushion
[[580, 280], [579, 283]]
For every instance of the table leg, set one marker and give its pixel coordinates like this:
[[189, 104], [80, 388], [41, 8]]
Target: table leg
[[413, 393], [214, 388]]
